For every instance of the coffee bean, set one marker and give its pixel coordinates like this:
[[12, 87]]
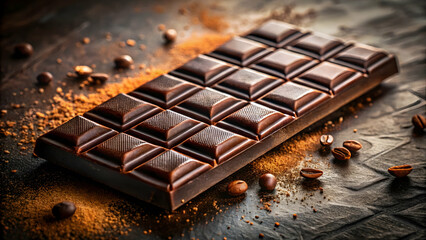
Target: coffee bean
[[44, 78], [237, 188], [310, 173], [341, 153], [23, 50], [400, 171], [83, 71], [63, 210], [124, 61], [352, 145], [170, 35], [267, 182], [326, 140], [419, 121], [101, 77]]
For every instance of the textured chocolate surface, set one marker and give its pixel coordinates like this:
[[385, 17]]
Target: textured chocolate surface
[[181, 133]]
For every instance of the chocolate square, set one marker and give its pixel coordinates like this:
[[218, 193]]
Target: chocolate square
[[319, 46], [78, 135], [240, 51], [293, 99], [165, 91], [255, 121], [284, 64], [214, 145], [122, 112], [275, 33], [123, 152], [360, 57], [167, 128], [209, 105], [204, 70], [248, 84], [329, 77], [173, 168]]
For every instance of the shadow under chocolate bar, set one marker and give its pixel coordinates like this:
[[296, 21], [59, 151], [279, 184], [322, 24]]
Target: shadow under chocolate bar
[[181, 133]]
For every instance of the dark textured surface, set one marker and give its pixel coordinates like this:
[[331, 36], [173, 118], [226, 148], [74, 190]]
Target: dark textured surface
[[363, 200]]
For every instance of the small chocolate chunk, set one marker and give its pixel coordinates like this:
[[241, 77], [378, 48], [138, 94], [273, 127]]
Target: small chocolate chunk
[[341, 153], [23, 50], [419, 121], [124, 61], [44, 78], [170, 35], [326, 140], [310, 173], [83, 71], [237, 187], [267, 182], [63, 210], [400, 171], [352, 145], [101, 77]]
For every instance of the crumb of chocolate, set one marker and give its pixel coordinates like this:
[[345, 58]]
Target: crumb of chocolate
[[85, 40], [131, 42]]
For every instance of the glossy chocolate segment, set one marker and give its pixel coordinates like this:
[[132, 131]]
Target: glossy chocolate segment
[[255, 121], [248, 84], [122, 112], [77, 135], [360, 57], [293, 99], [214, 145], [173, 168], [240, 51], [329, 77], [318, 46], [275, 33], [123, 152], [209, 105], [165, 91], [203, 70], [284, 64], [167, 129]]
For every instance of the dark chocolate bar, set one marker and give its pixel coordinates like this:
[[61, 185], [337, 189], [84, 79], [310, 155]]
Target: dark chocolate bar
[[179, 134]]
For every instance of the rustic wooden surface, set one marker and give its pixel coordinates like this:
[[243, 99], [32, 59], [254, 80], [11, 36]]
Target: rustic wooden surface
[[364, 201]]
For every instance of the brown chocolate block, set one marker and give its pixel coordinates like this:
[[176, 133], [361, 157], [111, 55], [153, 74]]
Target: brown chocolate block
[[123, 152], [122, 112], [255, 121], [214, 145], [284, 64], [209, 105], [329, 77], [167, 129], [248, 84], [316, 45], [165, 91], [240, 51], [275, 33], [293, 99], [203, 70]]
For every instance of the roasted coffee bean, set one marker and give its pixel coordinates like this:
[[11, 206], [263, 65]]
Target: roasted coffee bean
[[341, 153], [44, 78], [237, 188], [310, 173], [352, 145], [419, 121], [23, 50], [83, 71], [101, 77], [63, 210], [400, 171], [326, 140], [124, 61], [267, 182], [170, 35]]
